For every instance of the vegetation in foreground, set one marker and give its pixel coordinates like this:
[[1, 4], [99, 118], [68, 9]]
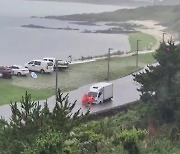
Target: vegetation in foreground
[[37, 130], [147, 127]]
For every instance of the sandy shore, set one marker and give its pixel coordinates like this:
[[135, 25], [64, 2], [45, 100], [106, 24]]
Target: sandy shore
[[153, 28]]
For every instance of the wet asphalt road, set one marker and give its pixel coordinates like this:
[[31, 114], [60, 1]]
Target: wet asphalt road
[[124, 91]]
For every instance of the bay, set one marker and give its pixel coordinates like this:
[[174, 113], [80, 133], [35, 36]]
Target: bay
[[18, 44]]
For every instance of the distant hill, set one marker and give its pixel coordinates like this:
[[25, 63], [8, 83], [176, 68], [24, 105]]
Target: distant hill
[[108, 2], [166, 15], [125, 2]]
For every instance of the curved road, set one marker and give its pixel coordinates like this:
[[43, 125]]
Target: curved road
[[124, 91]]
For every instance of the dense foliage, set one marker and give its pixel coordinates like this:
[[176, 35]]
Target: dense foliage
[[36, 129], [160, 91], [160, 84], [150, 126], [119, 134]]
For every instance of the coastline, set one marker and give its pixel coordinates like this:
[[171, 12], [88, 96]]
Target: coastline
[[155, 29]]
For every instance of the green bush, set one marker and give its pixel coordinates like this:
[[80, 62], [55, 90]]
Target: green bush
[[129, 139]]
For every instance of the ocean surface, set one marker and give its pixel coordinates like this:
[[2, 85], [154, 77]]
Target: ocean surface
[[19, 45]]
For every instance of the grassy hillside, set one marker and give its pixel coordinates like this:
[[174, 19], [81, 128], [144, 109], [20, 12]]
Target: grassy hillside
[[161, 138], [147, 41]]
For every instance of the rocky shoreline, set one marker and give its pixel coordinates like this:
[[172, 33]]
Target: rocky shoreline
[[115, 27], [44, 27]]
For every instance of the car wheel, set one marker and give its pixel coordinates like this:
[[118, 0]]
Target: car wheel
[[42, 71], [18, 74]]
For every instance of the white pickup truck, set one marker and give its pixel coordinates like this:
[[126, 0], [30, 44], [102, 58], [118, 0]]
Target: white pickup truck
[[61, 63], [98, 93]]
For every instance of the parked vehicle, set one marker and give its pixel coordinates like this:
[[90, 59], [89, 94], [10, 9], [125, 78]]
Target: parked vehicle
[[19, 70], [61, 63], [40, 66], [5, 72], [98, 93]]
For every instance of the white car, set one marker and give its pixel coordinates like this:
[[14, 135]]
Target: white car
[[19, 70], [61, 63], [40, 66]]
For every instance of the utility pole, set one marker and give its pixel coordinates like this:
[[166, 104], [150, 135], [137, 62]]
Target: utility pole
[[108, 58], [137, 58], [163, 36], [56, 67], [171, 39]]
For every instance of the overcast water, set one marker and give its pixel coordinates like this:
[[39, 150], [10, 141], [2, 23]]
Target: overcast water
[[18, 44]]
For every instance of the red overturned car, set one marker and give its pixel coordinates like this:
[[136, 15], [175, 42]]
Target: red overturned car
[[87, 99], [98, 93]]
